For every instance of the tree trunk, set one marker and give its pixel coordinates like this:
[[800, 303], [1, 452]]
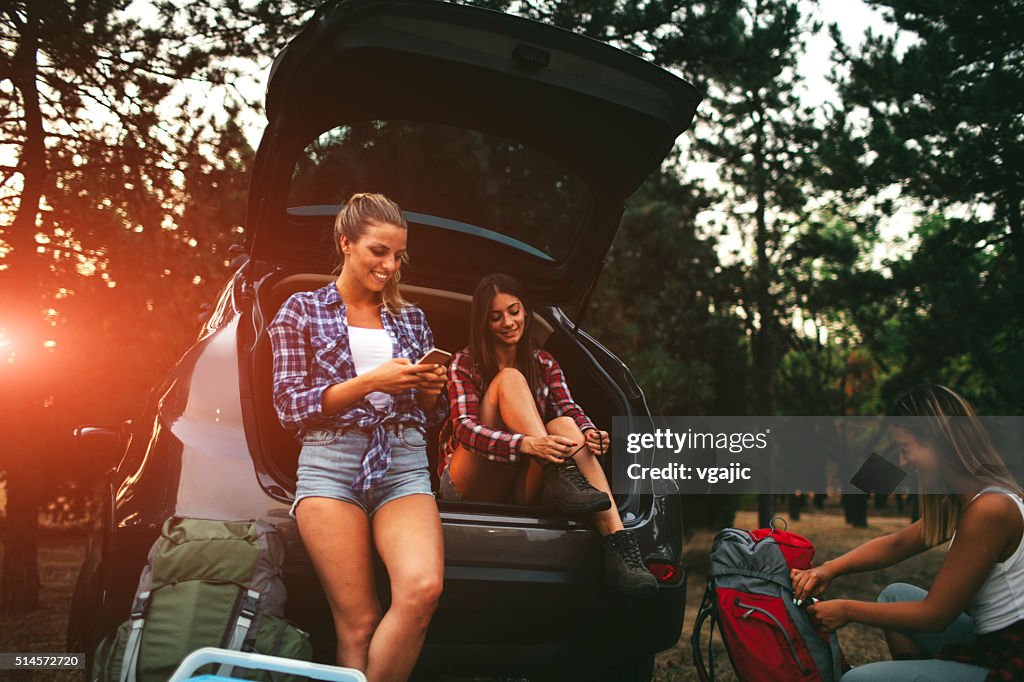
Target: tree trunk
[[856, 506], [25, 379], [1012, 206], [795, 505], [19, 582], [763, 340]]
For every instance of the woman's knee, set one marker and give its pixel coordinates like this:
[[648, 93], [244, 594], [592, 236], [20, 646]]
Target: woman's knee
[[882, 671], [508, 376], [932, 670], [860, 673], [561, 425], [357, 629], [901, 592], [419, 594]]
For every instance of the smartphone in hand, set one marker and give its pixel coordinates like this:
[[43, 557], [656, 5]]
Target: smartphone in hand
[[435, 356]]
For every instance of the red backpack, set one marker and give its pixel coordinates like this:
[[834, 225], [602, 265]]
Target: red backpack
[[749, 596]]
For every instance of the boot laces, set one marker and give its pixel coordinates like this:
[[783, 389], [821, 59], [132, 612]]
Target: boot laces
[[630, 551], [573, 473]]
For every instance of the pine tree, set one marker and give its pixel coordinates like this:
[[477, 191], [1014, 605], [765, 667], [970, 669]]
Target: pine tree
[[931, 115], [102, 159]]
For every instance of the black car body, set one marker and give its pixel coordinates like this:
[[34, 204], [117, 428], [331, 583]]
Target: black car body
[[512, 146]]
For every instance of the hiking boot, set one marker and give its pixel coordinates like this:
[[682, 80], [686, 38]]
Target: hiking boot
[[566, 489], [623, 566]]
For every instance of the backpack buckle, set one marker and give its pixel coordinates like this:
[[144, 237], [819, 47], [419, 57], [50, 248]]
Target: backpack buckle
[[249, 603], [139, 607]]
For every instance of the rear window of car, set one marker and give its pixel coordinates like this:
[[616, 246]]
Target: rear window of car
[[470, 180]]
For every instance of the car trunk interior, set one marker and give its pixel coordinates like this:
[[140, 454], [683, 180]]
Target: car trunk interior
[[448, 316]]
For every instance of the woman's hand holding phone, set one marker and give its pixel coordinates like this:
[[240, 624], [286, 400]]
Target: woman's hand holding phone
[[431, 381], [396, 375], [435, 374]]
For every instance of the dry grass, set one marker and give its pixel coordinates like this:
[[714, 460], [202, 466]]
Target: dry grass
[[831, 537]]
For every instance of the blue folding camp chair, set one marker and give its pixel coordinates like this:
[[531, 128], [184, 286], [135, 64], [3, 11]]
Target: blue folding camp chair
[[229, 659]]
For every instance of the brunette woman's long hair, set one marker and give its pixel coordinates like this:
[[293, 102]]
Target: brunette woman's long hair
[[943, 419], [481, 344]]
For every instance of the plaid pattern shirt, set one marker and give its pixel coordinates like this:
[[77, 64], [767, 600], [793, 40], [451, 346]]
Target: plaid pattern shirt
[[999, 651], [464, 426], [309, 337]]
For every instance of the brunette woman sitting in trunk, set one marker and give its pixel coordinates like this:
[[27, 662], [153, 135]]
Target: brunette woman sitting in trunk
[[515, 434]]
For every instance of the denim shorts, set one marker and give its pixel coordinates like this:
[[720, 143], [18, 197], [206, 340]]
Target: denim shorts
[[446, 488], [330, 460]]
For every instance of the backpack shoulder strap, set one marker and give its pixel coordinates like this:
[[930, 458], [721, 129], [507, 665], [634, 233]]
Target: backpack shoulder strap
[[706, 611], [130, 660], [242, 623], [837, 656]]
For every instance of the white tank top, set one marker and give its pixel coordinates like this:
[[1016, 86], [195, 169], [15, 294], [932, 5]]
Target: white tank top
[[370, 348], [1000, 601]]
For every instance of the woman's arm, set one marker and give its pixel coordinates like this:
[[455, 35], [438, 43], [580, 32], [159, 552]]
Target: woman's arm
[[561, 399], [393, 376], [297, 403], [337, 397], [294, 400], [562, 404], [873, 554], [982, 534]]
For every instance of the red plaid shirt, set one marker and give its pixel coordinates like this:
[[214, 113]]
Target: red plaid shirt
[[999, 651], [463, 426]]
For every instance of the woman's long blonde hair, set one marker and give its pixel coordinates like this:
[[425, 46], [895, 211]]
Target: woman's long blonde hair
[[943, 419], [351, 221]]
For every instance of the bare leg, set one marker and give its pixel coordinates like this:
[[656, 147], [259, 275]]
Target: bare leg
[[607, 521], [530, 481], [336, 535], [507, 405], [901, 646], [407, 532]]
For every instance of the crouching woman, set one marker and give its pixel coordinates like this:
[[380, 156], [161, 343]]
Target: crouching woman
[[969, 625]]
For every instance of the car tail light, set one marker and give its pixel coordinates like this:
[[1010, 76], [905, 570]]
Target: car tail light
[[665, 573]]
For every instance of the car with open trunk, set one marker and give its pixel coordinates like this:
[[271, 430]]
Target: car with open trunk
[[511, 146]]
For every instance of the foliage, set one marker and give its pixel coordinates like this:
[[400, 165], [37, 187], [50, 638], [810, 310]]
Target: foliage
[[931, 115]]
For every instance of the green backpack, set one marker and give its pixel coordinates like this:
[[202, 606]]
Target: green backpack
[[206, 583]]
